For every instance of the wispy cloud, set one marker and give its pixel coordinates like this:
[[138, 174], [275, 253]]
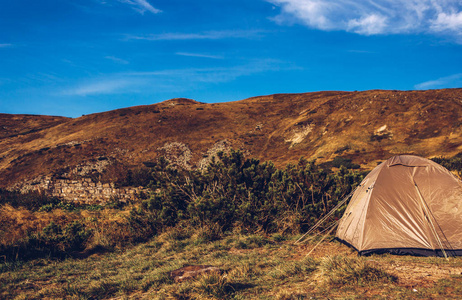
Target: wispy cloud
[[169, 80], [6, 45], [117, 60], [141, 6], [212, 75], [101, 86], [371, 17], [453, 81], [208, 35], [200, 55]]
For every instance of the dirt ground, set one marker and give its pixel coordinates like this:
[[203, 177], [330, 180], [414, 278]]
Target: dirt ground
[[411, 271]]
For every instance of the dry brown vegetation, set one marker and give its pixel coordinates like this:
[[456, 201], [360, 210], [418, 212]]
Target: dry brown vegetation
[[363, 126], [254, 267], [21, 228]]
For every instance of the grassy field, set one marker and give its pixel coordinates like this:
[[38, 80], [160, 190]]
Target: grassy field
[[239, 216], [253, 267]]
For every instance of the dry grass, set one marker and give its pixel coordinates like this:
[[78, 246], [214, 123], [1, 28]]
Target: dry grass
[[104, 229], [254, 267], [339, 270], [16, 223]]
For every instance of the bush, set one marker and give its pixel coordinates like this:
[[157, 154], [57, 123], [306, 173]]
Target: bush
[[452, 164], [32, 201], [142, 225], [53, 241], [237, 192]]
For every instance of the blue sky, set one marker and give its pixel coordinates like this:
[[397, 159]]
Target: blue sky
[[74, 57]]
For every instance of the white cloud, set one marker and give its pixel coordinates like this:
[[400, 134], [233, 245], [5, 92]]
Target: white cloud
[[448, 22], [368, 25], [200, 55], [208, 35], [453, 81], [141, 6], [369, 17], [6, 45]]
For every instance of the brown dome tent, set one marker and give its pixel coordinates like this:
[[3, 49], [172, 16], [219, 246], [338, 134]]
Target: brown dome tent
[[406, 205]]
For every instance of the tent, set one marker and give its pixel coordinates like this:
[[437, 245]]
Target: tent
[[406, 205]]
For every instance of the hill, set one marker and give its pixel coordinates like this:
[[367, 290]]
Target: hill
[[365, 127]]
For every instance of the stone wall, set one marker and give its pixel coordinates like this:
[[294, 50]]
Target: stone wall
[[82, 191]]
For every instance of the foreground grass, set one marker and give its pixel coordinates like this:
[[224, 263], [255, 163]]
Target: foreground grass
[[254, 267]]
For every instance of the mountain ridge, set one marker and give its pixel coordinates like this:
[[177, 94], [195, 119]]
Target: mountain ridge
[[366, 127]]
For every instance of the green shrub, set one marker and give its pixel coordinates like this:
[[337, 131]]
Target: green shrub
[[53, 241], [32, 201], [452, 163], [237, 192], [142, 225]]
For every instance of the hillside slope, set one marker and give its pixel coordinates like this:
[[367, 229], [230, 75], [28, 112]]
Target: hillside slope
[[365, 126]]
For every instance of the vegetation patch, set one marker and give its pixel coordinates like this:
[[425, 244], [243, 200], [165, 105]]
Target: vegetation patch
[[234, 192], [452, 163], [32, 201], [271, 271], [338, 270], [238, 215]]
